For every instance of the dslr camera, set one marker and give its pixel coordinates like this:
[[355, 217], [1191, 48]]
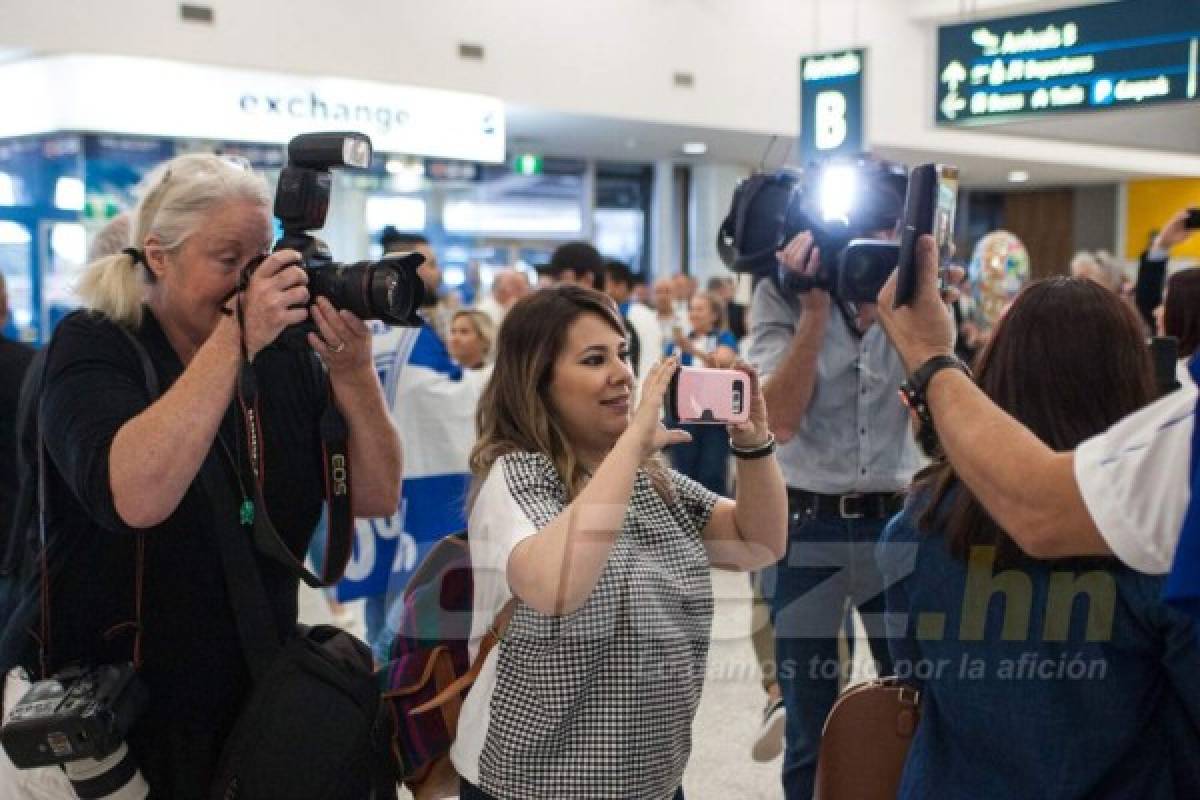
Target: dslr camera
[[79, 719], [841, 203], [388, 289]]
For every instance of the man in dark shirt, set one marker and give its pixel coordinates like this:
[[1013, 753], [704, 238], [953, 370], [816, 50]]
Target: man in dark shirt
[[14, 361], [1152, 266]]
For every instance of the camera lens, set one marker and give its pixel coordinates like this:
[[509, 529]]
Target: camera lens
[[388, 290]]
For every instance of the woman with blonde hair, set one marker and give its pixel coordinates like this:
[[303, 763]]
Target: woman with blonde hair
[[133, 534], [604, 553], [472, 334]]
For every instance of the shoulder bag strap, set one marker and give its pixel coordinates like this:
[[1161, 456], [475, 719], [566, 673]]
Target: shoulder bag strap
[[495, 634], [258, 633], [150, 377]]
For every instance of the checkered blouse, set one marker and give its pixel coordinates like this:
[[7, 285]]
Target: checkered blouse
[[597, 703]]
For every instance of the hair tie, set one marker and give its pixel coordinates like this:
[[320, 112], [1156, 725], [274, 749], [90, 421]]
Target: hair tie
[[137, 255]]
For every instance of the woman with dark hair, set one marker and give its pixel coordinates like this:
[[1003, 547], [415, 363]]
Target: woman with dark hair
[[593, 686], [1179, 315], [1041, 695]]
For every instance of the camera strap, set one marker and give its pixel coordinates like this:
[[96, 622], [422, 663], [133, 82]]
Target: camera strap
[[339, 534], [847, 313], [150, 376]]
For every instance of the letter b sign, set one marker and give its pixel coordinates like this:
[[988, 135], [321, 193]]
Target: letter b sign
[[830, 121]]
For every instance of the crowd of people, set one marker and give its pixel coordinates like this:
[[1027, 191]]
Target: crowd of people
[[1031, 465]]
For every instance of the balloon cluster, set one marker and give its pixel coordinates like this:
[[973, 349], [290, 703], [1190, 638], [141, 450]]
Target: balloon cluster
[[999, 269]]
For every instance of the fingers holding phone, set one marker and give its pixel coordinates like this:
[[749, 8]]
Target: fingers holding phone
[[1177, 230], [755, 430]]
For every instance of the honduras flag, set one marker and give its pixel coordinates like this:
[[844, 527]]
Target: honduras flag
[[432, 402]]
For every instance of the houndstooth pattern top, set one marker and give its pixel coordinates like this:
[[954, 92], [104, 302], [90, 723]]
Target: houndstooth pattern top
[[597, 703]]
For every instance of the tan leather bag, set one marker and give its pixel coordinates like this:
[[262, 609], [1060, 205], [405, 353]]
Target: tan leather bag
[[866, 740]]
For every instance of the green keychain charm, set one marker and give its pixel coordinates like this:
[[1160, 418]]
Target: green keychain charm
[[247, 512]]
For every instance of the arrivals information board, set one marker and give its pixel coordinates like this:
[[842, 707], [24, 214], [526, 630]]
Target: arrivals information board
[[831, 105], [1094, 58]]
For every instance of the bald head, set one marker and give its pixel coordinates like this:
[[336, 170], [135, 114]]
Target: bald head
[[509, 286]]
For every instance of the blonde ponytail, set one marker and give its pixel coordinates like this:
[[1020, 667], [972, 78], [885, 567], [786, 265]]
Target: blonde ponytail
[[115, 287]]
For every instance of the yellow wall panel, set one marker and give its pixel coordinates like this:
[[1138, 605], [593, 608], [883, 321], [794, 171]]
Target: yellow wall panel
[[1150, 204]]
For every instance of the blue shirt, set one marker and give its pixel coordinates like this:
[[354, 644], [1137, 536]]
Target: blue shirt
[[707, 343], [1032, 717], [856, 434]]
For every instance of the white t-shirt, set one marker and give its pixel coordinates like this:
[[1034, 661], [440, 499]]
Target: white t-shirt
[[1135, 480]]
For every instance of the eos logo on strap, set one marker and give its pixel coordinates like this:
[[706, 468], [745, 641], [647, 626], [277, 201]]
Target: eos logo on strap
[[340, 476]]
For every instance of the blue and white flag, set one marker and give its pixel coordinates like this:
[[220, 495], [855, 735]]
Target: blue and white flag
[[432, 402]]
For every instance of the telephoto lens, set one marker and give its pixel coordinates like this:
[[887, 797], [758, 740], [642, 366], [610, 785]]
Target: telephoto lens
[[389, 289], [114, 777]]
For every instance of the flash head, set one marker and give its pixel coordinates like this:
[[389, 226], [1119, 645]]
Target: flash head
[[330, 150]]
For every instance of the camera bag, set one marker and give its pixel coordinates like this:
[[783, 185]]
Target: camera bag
[[764, 208], [311, 728]]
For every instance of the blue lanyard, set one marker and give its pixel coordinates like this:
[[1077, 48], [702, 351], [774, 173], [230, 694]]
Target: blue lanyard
[[1183, 584]]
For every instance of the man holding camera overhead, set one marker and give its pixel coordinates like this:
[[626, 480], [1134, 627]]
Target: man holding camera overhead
[[846, 448]]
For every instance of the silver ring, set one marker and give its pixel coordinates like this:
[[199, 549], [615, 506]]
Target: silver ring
[[341, 346]]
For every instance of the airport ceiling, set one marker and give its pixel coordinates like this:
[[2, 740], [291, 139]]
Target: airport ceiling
[[1170, 129]]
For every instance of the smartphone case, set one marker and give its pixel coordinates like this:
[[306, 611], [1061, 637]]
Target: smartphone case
[[700, 395]]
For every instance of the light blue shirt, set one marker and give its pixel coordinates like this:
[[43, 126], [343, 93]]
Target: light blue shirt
[[856, 435]]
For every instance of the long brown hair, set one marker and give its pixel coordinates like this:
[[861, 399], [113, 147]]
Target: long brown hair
[[1067, 360], [1181, 311], [515, 413]]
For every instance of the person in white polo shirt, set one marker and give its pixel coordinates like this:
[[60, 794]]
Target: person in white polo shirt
[[1124, 492]]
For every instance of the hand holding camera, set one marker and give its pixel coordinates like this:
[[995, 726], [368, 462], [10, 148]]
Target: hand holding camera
[[802, 260], [344, 340], [276, 297]]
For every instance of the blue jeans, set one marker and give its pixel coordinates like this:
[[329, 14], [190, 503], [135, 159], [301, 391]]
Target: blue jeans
[[830, 562], [705, 459]]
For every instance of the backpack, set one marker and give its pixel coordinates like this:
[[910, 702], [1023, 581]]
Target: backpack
[[429, 668]]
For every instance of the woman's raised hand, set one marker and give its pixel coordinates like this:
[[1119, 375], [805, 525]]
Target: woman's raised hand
[[647, 427]]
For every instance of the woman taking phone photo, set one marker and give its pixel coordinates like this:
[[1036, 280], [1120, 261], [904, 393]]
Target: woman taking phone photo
[[592, 689]]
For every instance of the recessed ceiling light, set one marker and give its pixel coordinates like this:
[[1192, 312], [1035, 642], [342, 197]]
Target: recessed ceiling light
[[695, 148], [1018, 176]]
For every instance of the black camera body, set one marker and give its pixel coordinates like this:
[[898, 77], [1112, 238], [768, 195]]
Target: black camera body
[[77, 714], [841, 204], [388, 289]]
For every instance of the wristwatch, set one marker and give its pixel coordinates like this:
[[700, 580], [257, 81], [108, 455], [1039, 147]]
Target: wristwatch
[[912, 392]]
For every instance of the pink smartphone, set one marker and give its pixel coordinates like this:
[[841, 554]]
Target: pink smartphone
[[699, 395]]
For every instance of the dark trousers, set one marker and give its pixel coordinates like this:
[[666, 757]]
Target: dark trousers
[[830, 562], [468, 791], [705, 459]]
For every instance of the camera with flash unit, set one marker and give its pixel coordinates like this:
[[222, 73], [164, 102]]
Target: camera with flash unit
[[388, 289], [844, 204]]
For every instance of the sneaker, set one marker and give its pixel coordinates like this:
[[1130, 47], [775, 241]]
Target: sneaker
[[769, 742]]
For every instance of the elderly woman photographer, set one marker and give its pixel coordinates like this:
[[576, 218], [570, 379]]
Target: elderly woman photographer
[[592, 690], [120, 466]]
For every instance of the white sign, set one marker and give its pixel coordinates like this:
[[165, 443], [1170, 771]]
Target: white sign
[[118, 94]]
